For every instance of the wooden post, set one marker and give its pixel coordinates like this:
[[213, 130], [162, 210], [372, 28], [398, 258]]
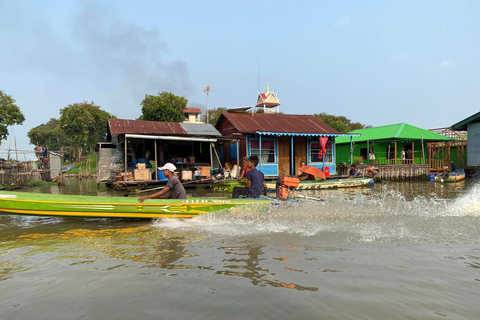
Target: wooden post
[[156, 163], [413, 151], [126, 154], [16, 154], [368, 152], [395, 151]]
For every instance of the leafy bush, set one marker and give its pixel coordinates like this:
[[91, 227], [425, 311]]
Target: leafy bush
[[357, 160]]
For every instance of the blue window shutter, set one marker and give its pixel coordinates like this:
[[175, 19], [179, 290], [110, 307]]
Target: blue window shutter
[[233, 151]]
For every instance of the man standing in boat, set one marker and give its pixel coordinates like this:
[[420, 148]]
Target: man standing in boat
[[177, 191]]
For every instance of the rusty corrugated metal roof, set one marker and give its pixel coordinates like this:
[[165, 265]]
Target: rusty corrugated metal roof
[[268, 122], [122, 126], [192, 110]]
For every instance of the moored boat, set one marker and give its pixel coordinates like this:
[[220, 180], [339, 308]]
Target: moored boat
[[42, 204], [330, 183], [228, 185], [453, 176]]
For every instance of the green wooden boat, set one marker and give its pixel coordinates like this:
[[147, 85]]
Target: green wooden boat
[[329, 183], [228, 185], [117, 207]]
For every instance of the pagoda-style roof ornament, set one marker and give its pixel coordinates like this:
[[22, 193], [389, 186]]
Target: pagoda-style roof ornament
[[268, 100]]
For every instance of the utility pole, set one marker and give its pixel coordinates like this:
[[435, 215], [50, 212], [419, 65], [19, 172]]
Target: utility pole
[[207, 90]]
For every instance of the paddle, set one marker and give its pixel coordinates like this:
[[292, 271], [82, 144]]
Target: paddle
[[159, 188], [301, 196]]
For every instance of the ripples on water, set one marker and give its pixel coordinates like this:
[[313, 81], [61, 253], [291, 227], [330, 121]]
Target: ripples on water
[[386, 215], [399, 250]]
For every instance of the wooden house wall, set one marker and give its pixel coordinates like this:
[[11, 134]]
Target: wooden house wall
[[225, 127], [300, 144], [284, 156], [283, 151]]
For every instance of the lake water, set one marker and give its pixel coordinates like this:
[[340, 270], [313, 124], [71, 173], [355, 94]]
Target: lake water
[[398, 250]]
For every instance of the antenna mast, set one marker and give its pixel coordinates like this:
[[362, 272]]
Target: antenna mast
[[207, 90]]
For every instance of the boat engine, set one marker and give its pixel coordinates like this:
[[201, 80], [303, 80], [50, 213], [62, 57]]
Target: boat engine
[[445, 173], [285, 187], [371, 172]]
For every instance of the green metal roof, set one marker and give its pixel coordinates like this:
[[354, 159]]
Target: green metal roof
[[462, 125], [400, 131]]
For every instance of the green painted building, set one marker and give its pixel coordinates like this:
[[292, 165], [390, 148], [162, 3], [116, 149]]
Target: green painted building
[[388, 142]]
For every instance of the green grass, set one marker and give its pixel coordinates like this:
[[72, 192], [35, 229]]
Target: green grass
[[39, 183], [90, 165]]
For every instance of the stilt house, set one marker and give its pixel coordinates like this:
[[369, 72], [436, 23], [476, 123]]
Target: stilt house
[[472, 126], [282, 141], [388, 144]]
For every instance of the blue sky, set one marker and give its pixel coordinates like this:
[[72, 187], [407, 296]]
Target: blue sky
[[376, 62]]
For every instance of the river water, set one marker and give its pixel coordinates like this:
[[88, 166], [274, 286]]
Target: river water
[[398, 250]]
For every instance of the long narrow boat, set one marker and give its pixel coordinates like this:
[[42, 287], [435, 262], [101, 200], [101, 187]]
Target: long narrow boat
[[228, 185], [329, 183], [454, 176], [116, 207]]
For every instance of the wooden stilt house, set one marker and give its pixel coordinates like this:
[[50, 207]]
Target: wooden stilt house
[[282, 141], [388, 144]]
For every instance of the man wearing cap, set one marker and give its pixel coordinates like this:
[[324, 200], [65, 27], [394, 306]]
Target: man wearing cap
[[177, 191]]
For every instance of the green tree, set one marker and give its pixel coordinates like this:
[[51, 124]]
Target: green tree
[[340, 123], [85, 124], [10, 114], [164, 107], [49, 135], [214, 114]]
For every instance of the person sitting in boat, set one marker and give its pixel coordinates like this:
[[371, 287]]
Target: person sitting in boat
[[177, 191], [353, 171], [302, 175], [255, 182], [245, 168], [453, 167]]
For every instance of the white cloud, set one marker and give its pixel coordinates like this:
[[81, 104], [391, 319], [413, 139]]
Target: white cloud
[[445, 64], [342, 22]]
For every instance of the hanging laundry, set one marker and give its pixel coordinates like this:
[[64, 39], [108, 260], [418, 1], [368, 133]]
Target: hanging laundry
[[323, 149]]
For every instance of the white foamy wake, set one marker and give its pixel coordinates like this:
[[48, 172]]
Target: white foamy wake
[[384, 216]]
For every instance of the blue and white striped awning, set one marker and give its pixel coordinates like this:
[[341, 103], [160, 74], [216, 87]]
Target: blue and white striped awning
[[294, 134]]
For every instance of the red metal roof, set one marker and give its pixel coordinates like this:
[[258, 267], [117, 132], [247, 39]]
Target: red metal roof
[[247, 122], [121, 126], [192, 110]]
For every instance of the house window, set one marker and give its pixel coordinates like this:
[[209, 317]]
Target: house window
[[268, 151], [315, 149]]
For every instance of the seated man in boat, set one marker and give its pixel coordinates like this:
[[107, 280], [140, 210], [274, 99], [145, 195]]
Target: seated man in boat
[[177, 191], [255, 182], [353, 171], [245, 169], [453, 167]]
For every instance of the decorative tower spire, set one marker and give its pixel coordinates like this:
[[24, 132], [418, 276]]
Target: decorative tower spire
[[268, 101]]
